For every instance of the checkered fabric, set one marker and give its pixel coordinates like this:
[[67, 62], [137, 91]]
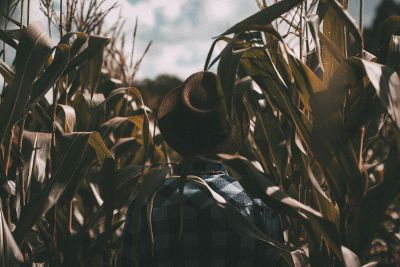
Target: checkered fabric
[[207, 238]]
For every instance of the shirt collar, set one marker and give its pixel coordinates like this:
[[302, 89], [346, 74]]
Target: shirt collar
[[204, 166]]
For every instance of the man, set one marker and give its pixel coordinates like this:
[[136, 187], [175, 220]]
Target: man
[[186, 227]]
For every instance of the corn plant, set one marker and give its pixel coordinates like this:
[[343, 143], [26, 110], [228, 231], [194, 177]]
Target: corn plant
[[326, 125], [75, 139], [78, 144]]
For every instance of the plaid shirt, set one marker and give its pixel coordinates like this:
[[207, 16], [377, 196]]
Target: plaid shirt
[[207, 239]]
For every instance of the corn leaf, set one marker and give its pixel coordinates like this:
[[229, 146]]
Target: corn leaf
[[386, 83], [68, 120], [95, 47], [50, 75], [10, 253], [75, 40], [32, 53], [4, 36], [279, 200], [145, 189], [264, 16], [370, 214], [6, 72], [226, 76], [69, 155]]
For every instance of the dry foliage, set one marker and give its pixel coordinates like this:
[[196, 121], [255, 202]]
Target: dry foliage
[[323, 149]]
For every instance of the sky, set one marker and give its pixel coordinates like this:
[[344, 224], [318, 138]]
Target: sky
[[182, 30]]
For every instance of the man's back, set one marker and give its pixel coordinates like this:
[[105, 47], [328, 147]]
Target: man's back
[[189, 229]]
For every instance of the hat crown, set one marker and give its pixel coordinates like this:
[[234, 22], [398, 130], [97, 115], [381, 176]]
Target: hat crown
[[200, 93], [203, 115]]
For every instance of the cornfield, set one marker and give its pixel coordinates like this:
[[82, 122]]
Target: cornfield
[[78, 144]]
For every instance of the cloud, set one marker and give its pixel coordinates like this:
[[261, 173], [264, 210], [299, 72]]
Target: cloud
[[182, 30], [170, 11], [180, 59], [220, 10], [148, 11]]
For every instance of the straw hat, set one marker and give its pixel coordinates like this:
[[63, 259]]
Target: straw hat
[[192, 122]]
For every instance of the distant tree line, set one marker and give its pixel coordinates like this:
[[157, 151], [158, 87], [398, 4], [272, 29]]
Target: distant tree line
[[372, 35], [153, 90]]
